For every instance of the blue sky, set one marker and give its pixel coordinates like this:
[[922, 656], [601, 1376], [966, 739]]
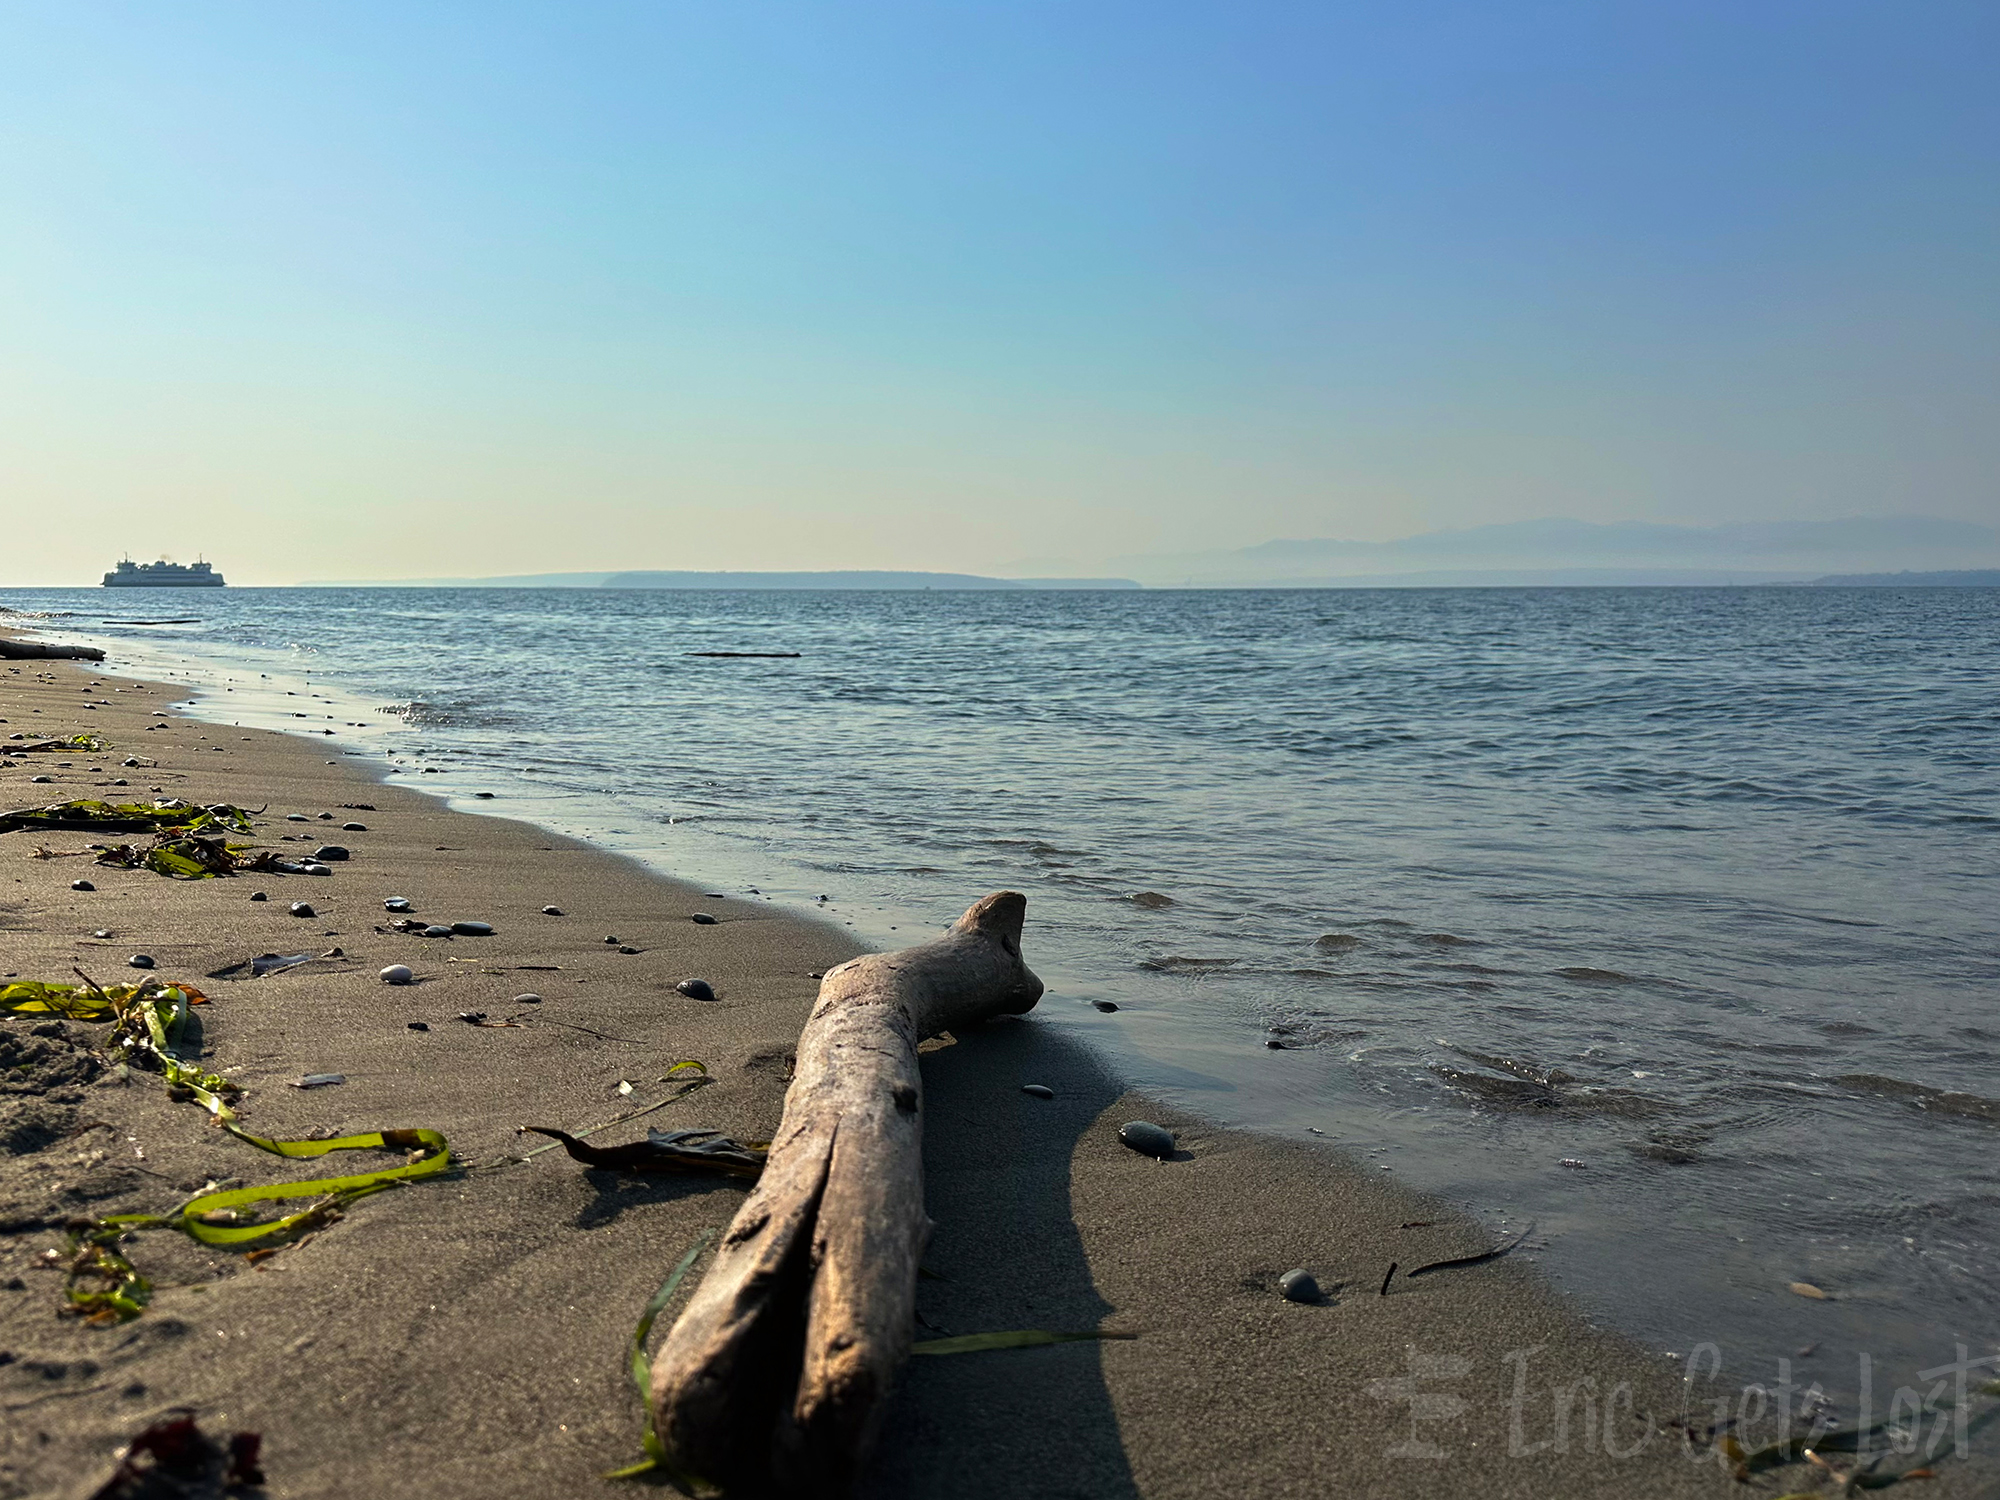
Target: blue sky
[[379, 290]]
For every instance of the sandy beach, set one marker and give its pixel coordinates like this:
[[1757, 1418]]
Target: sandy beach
[[466, 1335]]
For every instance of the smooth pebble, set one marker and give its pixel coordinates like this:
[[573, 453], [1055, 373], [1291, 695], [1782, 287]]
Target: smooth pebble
[[1146, 1138], [81, 885], [396, 903], [331, 851], [141, 960], [696, 989], [1039, 1090], [527, 999], [1104, 1005], [259, 896], [397, 974], [473, 929], [1299, 1286], [702, 919], [436, 931], [552, 911], [302, 909]]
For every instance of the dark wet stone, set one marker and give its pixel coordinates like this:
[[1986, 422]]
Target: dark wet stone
[[1299, 1286], [397, 974], [326, 817], [331, 851], [1039, 1090], [1146, 1138], [552, 911], [1275, 1043], [1104, 1005], [353, 827], [81, 885], [473, 929], [302, 909], [41, 780], [420, 1026], [436, 931], [628, 949], [259, 896], [696, 989], [702, 919], [484, 796], [612, 940], [121, 781], [141, 960], [1152, 900]]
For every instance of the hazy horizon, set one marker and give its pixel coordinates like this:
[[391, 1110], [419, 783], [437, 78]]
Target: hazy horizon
[[360, 291]]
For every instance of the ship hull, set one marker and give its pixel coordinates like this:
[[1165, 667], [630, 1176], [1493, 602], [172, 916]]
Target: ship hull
[[113, 581]]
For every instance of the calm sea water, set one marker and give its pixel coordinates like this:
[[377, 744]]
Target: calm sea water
[[1665, 918]]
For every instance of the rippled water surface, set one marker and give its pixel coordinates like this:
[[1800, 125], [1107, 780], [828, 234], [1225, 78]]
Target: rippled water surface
[[1666, 918]]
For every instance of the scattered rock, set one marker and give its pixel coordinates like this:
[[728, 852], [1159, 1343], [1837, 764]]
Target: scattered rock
[[1104, 1005], [81, 885], [397, 974], [552, 911], [319, 1080], [484, 796], [528, 999], [1039, 1090], [696, 989], [297, 818], [396, 903], [628, 949], [259, 896], [1807, 1289], [301, 909], [102, 932], [141, 960], [1152, 900], [353, 827], [1146, 1138], [473, 929], [613, 941], [435, 931], [41, 780], [121, 781], [331, 852], [1299, 1286], [420, 1026], [702, 919], [1275, 1043]]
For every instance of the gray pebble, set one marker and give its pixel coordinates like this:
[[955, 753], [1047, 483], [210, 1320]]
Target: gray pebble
[[297, 818], [613, 941], [696, 989], [1299, 1286], [130, 760], [316, 869], [527, 999], [301, 909], [1146, 1138], [41, 779], [331, 851], [353, 827], [473, 929], [102, 932], [628, 949], [396, 903], [436, 931], [81, 885], [121, 781], [141, 960], [397, 974], [326, 817], [702, 919], [1039, 1090]]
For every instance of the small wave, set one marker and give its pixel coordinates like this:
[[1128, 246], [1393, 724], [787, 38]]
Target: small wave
[[1178, 965], [1585, 975], [1924, 1097]]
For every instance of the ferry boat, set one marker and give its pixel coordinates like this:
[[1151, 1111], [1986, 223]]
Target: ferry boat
[[162, 575]]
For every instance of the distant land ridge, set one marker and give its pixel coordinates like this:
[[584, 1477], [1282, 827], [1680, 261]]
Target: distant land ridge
[[1962, 578], [651, 579]]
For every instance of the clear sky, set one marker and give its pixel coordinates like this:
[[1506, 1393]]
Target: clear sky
[[469, 286]]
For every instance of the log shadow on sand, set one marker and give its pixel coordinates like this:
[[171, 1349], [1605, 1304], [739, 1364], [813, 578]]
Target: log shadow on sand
[[1006, 1254]]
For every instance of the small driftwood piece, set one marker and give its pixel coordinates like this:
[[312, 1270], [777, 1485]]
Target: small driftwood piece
[[13, 650], [773, 1379]]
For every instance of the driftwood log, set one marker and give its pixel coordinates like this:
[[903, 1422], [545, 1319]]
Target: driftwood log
[[11, 650], [773, 1379]]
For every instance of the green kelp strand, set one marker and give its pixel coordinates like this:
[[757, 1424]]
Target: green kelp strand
[[328, 1193], [94, 1255], [641, 1365]]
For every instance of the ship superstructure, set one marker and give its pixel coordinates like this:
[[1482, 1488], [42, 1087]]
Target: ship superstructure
[[162, 575]]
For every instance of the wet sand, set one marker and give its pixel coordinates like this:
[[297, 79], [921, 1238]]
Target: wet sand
[[466, 1336]]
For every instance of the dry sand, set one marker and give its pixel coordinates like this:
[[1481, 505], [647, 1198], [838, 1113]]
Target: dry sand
[[466, 1336]]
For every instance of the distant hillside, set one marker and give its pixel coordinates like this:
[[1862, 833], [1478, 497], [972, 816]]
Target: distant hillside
[[1772, 550], [1964, 578], [690, 580]]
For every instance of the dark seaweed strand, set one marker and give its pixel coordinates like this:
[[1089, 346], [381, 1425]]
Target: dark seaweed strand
[[1475, 1260]]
